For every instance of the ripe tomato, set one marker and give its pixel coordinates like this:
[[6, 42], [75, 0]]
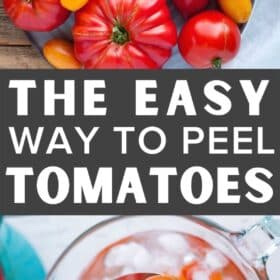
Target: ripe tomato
[[136, 276], [216, 275], [60, 54], [124, 34], [187, 270], [209, 39], [162, 277], [190, 7], [73, 5], [238, 10], [36, 15]]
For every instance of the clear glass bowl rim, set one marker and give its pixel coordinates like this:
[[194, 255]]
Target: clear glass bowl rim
[[221, 232]]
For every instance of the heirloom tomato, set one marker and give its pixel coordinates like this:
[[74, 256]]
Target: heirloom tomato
[[124, 34], [209, 39], [36, 15], [190, 7]]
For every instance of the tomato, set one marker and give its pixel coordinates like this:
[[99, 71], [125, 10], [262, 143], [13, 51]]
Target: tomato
[[187, 270], [36, 15], [1, 275], [238, 10], [73, 5], [217, 275], [136, 276], [124, 34], [60, 54], [209, 39], [190, 7], [162, 277]]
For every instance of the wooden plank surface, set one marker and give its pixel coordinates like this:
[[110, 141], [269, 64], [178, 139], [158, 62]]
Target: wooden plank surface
[[16, 51], [9, 35], [21, 57]]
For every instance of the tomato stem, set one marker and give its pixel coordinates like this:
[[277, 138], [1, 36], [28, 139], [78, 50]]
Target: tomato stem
[[120, 35], [217, 63]]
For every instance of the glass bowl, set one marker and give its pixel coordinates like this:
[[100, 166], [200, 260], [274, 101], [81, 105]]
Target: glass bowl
[[248, 249]]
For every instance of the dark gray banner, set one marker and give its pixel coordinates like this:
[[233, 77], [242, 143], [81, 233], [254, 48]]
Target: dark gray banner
[[192, 142]]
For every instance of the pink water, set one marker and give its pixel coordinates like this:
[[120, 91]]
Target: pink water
[[170, 253]]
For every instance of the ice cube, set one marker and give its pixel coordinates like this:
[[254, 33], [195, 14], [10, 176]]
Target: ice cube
[[127, 271], [189, 258], [200, 275], [122, 255], [142, 260], [167, 264], [215, 260], [173, 243]]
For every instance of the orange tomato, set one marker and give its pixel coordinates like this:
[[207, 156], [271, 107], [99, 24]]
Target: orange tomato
[[60, 54], [217, 275], [187, 270], [238, 10], [73, 5]]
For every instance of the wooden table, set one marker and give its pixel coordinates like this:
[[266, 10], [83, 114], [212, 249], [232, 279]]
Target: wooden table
[[16, 51]]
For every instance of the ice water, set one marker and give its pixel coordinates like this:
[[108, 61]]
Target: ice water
[[182, 256]]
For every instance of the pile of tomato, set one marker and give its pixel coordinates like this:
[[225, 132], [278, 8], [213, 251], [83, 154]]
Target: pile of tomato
[[135, 34]]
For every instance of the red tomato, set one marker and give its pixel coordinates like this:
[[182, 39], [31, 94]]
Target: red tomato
[[36, 15], [162, 277], [209, 40], [190, 7], [124, 34], [136, 276]]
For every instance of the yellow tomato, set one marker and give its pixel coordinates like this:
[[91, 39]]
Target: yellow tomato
[[60, 54], [238, 10], [73, 5]]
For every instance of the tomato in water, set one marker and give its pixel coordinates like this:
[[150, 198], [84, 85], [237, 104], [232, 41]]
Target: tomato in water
[[209, 40], [200, 252], [187, 270], [136, 276], [162, 277]]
